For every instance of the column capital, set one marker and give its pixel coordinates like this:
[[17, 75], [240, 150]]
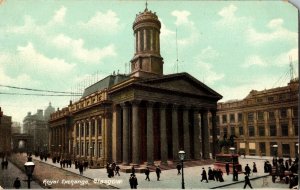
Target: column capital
[[163, 105], [175, 106], [150, 103], [135, 102]]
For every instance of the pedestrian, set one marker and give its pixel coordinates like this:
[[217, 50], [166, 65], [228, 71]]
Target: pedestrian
[[227, 168], [235, 175], [117, 170], [178, 168], [254, 170], [210, 174], [131, 181], [61, 163], [216, 176], [147, 172], [204, 176], [220, 175], [247, 170], [135, 182], [158, 171], [80, 166], [247, 181], [17, 183], [132, 170]]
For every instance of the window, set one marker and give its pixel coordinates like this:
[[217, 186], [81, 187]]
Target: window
[[296, 128], [295, 111], [87, 131], [250, 116], [81, 148], [240, 117], [99, 125], [259, 100], [273, 131], [260, 115], [218, 131], [261, 131], [77, 130], [283, 113], [270, 99], [232, 119], [251, 131], [87, 149], [82, 130], [224, 118], [225, 131], [271, 115], [93, 149], [262, 148], [284, 130], [217, 119], [241, 130], [286, 150], [93, 128], [232, 132], [282, 97]]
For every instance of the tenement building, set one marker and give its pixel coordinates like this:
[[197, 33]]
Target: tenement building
[[139, 118], [261, 120]]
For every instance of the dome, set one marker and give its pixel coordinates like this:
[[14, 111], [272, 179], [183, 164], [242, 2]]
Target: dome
[[148, 17]]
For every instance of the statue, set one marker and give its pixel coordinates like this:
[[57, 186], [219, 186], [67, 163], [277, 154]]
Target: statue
[[225, 144]]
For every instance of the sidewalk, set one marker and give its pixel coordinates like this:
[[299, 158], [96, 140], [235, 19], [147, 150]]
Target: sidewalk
[[169, 178]]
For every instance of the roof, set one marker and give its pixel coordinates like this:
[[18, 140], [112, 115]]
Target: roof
[[107, 82]]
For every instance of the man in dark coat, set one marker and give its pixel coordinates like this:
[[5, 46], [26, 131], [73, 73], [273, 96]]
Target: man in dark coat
[[17, 183], [131, 182], [80, 166], [158, 171], [117, 170], [210, 174], [227, 168], [178, 168], [247, 170], [135, 182], [147, 172], [204, 176], [247, 181]]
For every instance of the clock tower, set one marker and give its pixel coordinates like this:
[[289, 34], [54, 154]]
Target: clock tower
[[147, 61]]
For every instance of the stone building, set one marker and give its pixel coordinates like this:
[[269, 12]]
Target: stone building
[[36, 125], [139, 118], [5, 134], [263, 119]]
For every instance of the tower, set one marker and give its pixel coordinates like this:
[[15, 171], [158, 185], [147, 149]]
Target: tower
[[147, 61]]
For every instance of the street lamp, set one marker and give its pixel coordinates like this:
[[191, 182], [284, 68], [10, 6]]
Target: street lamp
[[29, 167], [59, 151], [275, 146], [181, 155], [233, 166]]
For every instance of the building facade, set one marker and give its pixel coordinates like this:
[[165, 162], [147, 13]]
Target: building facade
[[36, 125], [5, 134], [139, 118], [263, 119]]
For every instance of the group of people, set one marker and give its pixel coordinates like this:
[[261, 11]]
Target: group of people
[[112, 169], [215, 175], [133, 182], [4, 164]]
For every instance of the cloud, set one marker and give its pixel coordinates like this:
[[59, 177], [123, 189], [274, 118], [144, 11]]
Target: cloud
[[77, 50], [284, 58], [183, 23], [59, 16], [203, 63], [278, 33], [254, 60], [106, 22]]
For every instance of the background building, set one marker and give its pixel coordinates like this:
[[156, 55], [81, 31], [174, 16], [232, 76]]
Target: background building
[[5, 134], [36, 125], [261, 120]]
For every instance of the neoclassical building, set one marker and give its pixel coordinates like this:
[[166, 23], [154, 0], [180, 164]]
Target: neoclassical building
[[139, 118]]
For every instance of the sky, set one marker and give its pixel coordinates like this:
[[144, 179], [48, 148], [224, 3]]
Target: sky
[[231, 46]]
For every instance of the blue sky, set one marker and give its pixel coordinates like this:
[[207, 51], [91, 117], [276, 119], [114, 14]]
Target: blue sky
[[231, 46]]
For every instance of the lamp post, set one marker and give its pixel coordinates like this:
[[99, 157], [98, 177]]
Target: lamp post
[[233, 166], [29, 167], [181, 155], [275, 146], [59, 151]]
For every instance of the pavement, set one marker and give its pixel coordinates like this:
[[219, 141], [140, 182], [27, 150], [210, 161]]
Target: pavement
[[170, 179]]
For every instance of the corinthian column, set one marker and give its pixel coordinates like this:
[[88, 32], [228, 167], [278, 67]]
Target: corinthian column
[[214, 131], [175, 132], [197, 144], [150, 148], [186, 133], [135, 134], [163, 135], [205, 141], [125, 135]]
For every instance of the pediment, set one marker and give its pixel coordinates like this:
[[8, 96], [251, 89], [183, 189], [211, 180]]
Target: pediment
[[182, 83]]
